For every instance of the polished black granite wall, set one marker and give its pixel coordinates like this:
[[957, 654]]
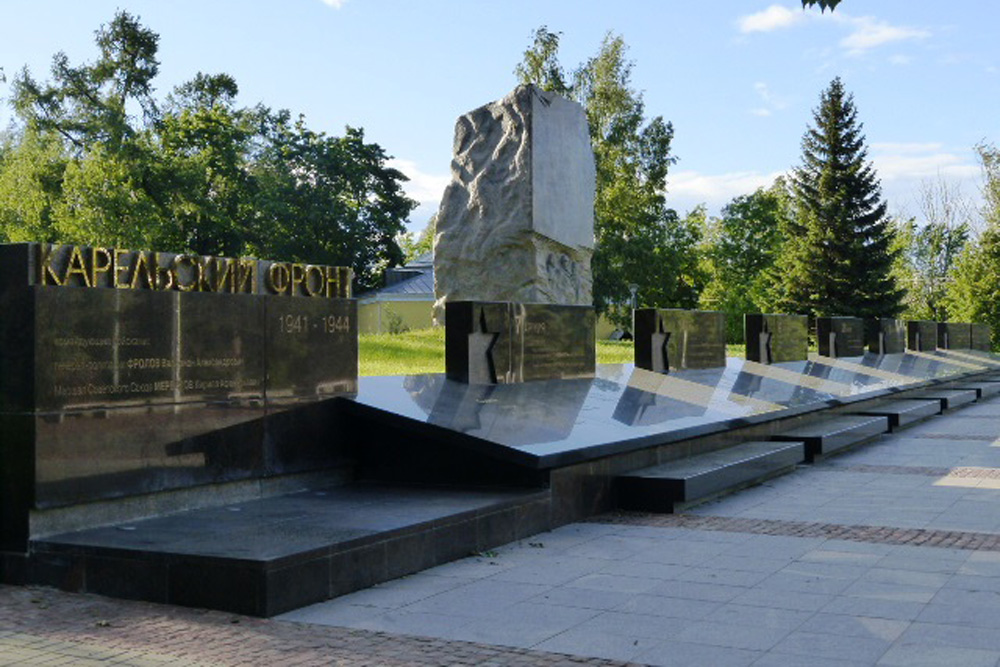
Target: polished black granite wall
[[980, 337], [672, 339], [954, 335], [106, 393], [503, 343], [776, 338], [885, 336], [921, 335], [840, 336]]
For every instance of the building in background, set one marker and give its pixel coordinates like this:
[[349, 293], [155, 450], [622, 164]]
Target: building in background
[[404, 303]]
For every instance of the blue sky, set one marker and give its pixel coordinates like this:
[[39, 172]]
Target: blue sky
[[738, 78]]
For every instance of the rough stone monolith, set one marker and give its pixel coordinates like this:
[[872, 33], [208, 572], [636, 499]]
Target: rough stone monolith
[[517, 221]]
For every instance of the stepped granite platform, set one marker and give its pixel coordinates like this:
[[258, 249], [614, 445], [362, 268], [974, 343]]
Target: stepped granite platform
[[903, 413], [269, 556], [829, 436], [948, 397], [676, 484], [448, 468], [983, 389]]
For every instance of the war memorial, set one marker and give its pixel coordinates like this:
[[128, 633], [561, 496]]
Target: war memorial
[[192, 430]]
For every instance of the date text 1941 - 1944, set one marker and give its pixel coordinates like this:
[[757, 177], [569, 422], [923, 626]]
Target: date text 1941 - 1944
[[85, 266]]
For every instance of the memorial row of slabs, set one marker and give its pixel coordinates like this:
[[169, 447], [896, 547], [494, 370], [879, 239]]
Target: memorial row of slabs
[[497, 342]]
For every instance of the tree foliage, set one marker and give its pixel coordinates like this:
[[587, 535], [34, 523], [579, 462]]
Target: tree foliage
[[739, 254], [822, 4], [98, 159], [973, 295], [639, 240], [838, 255], [928, 252], [415, 245]]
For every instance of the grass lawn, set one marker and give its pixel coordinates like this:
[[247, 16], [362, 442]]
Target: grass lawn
[[422, 351]]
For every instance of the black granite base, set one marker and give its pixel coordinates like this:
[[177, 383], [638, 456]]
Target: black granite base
[[903, 413], [269, 556], [661, 488], [829, 436]]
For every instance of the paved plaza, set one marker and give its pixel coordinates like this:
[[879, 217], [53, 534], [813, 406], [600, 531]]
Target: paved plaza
[[887, 555]]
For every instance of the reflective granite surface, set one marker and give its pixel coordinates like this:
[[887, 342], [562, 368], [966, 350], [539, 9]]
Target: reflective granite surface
[[125, 392], [551, 423]]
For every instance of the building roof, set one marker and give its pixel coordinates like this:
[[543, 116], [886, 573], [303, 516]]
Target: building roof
[[422, 283], [413, 281]]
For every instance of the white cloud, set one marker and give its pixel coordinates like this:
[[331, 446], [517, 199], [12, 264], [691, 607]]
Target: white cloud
[[687, 189], [916, 161], [864, 32], [870, 32], [774, 17], [903, 168], [771, 101], [908, 147], [425, 188], [336, 4]]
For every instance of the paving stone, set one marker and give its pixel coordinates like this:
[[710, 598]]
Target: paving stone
[[843, 625], [684, 654], [925, 655], [823, 645], [598, 644]]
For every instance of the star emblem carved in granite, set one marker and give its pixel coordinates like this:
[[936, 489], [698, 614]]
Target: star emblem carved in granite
[[482, 369], [765, 347], [661, 360]]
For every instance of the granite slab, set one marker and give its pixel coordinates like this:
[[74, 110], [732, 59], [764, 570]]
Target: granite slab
[[659, 488]]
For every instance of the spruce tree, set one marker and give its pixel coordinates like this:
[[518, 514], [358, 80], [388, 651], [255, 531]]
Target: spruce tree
[[838, 257]]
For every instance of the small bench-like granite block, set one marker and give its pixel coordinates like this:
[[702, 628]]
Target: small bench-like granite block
[[902, 412], [949, 398], [659, 488], [828, 436], [840, 336]]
